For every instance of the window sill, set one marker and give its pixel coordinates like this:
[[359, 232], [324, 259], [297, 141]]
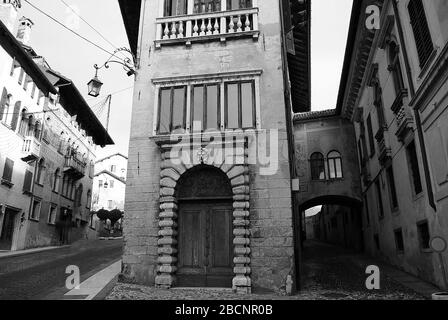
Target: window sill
[[429, 250], [7, 183], [34, 220], [55, 192], [51, 224], [27, 193], [40, 185], [396, 212], [428, 63], [418, 196]]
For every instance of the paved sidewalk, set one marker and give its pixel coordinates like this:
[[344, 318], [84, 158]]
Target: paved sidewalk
[[9, 254]]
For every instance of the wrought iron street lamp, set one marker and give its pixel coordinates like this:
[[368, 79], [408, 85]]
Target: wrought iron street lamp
[[94, 85]]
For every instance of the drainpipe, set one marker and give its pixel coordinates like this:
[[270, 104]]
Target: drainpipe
[[418, 120], [296, 214]]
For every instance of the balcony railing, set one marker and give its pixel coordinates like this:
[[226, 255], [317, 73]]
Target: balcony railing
[[30, 149], [75, 167], [203, 26], [405, 122], [385, 152]]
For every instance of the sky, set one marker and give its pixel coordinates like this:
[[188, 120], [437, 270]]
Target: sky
[[75, 58]]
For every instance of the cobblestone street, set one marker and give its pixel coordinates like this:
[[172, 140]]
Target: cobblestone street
[[330, 273]]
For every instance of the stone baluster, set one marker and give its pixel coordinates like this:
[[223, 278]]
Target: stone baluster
[[209, 27], [202, 33], [247, 23], [231, 25], [195, 28], [216, 26], [239, 24], [173, 31], [166, 31], [181, 30]]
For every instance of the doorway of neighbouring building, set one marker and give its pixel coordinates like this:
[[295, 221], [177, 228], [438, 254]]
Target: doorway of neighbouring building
[[7, 230], [205, 229]]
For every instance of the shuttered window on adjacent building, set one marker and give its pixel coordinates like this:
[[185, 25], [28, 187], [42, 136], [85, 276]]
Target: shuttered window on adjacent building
[[421, 31], [7, 172], [28, 181]]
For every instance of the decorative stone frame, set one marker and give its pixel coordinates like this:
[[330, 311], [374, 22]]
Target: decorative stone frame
[[238, 174]]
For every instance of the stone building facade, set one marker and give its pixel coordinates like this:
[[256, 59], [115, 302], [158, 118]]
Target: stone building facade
[[377, 163], [209, 196], [395, 94], [47, 150]]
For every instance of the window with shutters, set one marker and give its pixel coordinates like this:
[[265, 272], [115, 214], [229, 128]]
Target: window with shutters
[[28, 182], [379, 199], [40, 172], [52, 214], [35, 210], [392, 189], [5, 107], [56, 180], [7, 172], [317, 163], [395, 67], [371, 137], [414, 169], [420, 28]]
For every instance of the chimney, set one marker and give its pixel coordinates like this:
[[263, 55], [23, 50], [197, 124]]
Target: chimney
[[8, 13], [24, 30]]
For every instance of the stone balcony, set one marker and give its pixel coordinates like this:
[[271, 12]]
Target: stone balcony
[[405, 123], [74, 167], [30, 149], [385, 152], [207, 26]]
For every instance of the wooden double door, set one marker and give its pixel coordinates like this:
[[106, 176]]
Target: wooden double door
[[205, 251]]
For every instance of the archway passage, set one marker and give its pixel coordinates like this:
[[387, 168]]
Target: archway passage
[[205, 239]]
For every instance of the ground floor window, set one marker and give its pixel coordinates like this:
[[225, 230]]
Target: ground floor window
[[52, 214], [423, 235]]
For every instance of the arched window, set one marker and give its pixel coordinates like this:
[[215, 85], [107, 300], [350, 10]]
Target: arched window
[[335, 165], [37, 130], [317, 162], [56, 180], [78, 196], [15, 115], [5, 103], [89, 199], [395, 67], [23, 122], [30, 129], [40, 172]]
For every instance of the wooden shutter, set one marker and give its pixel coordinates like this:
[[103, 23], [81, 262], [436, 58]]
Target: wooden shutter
[[28, 181], [421, 31], [15, 115], [3, 102], [7, 173]]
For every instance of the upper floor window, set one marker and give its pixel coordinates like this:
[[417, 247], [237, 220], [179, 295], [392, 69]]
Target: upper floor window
[[40, 172], [420, 28], [175, 8], [335, 165], [201, 6], [191, 104], [56, 180], [240, 105], [411, 153], [238, 4], [5, 112], [172, 109], [395, 67], [317, 162]]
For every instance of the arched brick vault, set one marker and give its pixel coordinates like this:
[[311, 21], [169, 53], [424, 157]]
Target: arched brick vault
[[171, 174], [330, 200]]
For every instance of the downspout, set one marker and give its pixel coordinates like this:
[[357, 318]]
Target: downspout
[[296, 214], [418, 120]]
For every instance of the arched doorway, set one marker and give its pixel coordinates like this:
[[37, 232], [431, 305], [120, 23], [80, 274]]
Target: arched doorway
[[205, 228]]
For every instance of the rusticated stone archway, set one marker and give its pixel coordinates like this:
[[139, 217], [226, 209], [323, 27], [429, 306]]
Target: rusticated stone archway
[[171, 173]]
